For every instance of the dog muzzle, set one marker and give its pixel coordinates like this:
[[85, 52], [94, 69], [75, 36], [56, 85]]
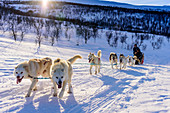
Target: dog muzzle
[[59, 84], [19, 79]]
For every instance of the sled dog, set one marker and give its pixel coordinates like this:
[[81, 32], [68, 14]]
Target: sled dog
[[31, 70], [123, 61], [95, 61], [136, 59], [132, 60], [62, 74], [113, 59]]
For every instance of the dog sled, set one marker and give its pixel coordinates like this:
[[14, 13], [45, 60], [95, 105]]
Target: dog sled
[[140, 61]]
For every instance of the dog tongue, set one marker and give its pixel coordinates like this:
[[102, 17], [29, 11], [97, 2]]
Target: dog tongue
[[59, 86], [18, 80]]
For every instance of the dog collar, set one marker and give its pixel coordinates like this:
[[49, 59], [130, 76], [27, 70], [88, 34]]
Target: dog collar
[[32, 77]]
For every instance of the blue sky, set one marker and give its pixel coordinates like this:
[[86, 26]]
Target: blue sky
[[144, 2]]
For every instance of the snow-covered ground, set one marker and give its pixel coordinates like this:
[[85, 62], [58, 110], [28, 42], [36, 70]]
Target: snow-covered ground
[[137, 89]]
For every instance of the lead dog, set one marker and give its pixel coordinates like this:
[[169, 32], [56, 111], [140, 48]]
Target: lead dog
[[95, 61], [62, 74], [123, 61], [32, 69], [113, 59]]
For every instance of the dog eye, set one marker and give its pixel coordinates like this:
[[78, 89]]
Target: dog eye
[[62, 77], [21, 72], [16, 72], [56, 77], [62, 70]]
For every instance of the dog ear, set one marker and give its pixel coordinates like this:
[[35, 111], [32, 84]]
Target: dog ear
[[45, 61], [57, 60], [62, 70], [26, 68], [16, 67]]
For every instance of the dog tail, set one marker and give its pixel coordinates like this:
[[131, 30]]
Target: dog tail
[[73, 59], [99, 53]]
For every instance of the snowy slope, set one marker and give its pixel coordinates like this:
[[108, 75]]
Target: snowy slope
[[138, 89], [124, 4]]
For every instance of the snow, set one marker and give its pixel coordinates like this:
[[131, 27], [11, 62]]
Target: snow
[[137, 89], [154, 5]]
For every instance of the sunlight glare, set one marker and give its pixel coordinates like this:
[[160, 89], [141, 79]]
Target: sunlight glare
[[44, 6], [44, 3]]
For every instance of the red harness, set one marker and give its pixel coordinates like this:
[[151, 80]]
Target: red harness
[[93, 60]]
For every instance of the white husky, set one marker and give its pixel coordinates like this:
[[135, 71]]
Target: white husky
[[95, 61], [113, 59], [31, 70], [123, 61], [62, 74]]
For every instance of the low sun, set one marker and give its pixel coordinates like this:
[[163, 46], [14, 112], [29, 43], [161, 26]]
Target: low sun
[[44, 3]]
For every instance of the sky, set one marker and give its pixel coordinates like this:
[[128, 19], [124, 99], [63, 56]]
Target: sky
[[144, 2]]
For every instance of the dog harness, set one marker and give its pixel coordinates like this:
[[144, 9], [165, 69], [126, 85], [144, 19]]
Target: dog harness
[[99, 59], [115, 64], [93, 62]]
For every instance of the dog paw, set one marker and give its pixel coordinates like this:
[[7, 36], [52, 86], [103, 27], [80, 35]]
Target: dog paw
[[55, 94], [27, 95], [69, 92], [35, 89], [90, 73], [96, 73], [52, 87]]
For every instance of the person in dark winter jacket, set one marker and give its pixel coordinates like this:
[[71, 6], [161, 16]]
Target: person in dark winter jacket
[[135, 49], [138, 54]]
